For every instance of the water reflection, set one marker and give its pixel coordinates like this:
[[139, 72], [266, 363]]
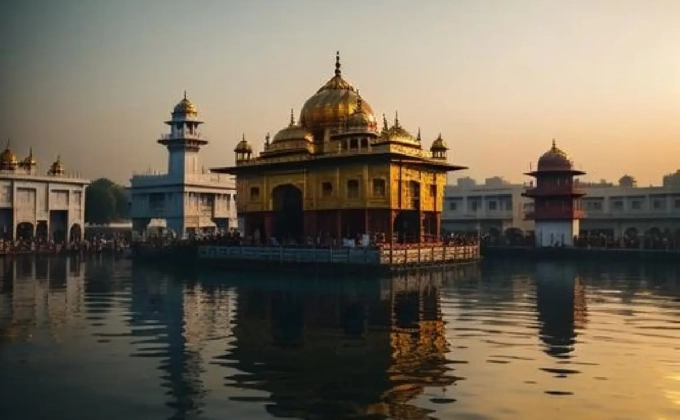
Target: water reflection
[[40, 294], [336, 350], [561, 307], [486, 342]]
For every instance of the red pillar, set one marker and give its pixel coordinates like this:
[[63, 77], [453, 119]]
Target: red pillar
[[338, 226], [390, 227], [310, 224], [268, 223]]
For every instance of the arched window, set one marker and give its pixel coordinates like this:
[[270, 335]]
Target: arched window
[[326, 189], [352, 188], [379, 187], [254, 193]]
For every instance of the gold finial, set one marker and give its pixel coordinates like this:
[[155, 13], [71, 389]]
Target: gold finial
[[243, 137], [266, 139], [385, 127], [292, 117], [337, 64], [418, 135], [553, 144], [185, 94], [396, 118], [439, 137]]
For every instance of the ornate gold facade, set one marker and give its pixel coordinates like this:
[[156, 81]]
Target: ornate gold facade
[[335, 158]]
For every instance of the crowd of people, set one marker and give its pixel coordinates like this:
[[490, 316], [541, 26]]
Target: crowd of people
[[233, 237], [38, 245], [649, 242]]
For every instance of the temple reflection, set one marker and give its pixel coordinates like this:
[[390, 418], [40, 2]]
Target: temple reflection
[[561, 307], [337, 350], [39, 294], [157, 323]]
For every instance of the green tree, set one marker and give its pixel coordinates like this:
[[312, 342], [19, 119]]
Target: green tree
[[100, 205], [105, 201]]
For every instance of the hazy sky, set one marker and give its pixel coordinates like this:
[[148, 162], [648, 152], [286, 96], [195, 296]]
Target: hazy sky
[[94, 80]]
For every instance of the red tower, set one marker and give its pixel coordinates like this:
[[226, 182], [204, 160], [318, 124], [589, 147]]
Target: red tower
[[556, 197]]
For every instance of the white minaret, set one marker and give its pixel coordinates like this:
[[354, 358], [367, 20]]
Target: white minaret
[[184, 141]]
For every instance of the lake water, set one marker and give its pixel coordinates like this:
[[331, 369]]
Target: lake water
[[103, 339]]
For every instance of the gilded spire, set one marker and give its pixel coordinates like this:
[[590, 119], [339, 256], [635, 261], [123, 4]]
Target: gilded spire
[[292, 118], [266, 139], [418, 135], [337, 64], [396, 118], [185, 94], [554, 146], [385, 126]]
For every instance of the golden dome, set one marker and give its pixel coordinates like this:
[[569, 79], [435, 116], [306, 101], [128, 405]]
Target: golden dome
[[439, 145], [56, 168], [360, 119], [292, 132], [554, 160], [185, 106], [332, 104], [8, 160], [29, 162], [243, 146], [397, 133]]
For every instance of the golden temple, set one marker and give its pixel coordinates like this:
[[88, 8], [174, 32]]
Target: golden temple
[[334, 173]]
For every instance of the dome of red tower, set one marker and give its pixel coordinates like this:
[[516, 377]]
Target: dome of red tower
[[555, 160]]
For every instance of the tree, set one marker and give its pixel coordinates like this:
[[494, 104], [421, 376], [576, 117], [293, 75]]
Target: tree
[[100, 205], [105, 201]]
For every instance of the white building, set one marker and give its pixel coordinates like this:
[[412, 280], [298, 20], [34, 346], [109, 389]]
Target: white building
[[617, 209], [47, 206], [187, 198]]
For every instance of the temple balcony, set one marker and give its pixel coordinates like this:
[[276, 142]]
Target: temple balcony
[[182, 134]]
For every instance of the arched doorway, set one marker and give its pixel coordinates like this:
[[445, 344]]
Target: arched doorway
[[25, 231], [288, 220], [41, 230], [75, 233], [407, 226]]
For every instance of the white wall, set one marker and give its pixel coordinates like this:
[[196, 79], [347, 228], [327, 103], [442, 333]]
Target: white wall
[[554, 232]]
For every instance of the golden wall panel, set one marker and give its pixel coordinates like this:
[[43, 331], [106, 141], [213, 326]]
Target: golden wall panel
[[397, 181]]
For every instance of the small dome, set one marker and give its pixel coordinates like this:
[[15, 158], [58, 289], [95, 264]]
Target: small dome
[[185, 106], [292, 132], [8, 160], [360, 119], [554, 160], [398, 134], [439, 145], [56, 168], [28, 162], [243, 146]]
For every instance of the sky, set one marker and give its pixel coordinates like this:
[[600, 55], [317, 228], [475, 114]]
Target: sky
[[94, 80]]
